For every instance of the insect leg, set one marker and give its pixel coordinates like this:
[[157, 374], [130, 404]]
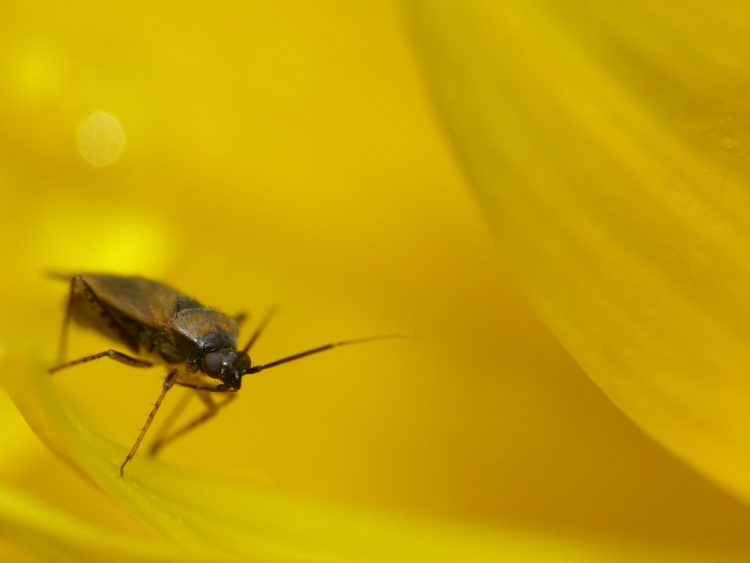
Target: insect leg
[[62, 349], [113, 354], [171, 376], [172, 418], [212, 407], [240, 318]]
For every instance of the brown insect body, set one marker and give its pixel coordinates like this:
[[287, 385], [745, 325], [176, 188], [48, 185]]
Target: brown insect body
[[154, 320], [198, 344]]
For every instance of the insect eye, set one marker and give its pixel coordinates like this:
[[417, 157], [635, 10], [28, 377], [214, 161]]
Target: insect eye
[[212, 364]]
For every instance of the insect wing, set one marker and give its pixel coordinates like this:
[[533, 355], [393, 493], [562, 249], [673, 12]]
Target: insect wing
[[145, 301]]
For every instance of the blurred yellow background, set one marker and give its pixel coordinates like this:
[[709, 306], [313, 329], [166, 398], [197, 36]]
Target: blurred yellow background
[[286, 153]]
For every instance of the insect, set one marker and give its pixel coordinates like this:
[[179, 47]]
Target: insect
[[157, 324]]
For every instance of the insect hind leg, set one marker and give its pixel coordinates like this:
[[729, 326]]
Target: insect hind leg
[[62, 349], [112, 354], [212, 408], [86, 308]]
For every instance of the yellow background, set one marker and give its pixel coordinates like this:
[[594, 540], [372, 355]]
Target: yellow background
[[286, 153]]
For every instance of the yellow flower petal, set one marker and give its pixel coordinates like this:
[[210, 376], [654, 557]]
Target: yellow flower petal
[[55, 536], [284, 155], [607, 144], [208, 515]]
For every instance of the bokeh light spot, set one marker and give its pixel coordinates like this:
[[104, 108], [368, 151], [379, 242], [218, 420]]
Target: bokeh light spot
[[101, 139]]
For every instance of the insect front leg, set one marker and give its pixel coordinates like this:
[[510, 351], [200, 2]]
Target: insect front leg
[[240, 318], [212, 408], [171, 376]]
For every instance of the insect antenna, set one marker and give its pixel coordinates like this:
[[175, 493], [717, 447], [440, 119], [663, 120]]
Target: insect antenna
[[256, 369], [254, 337]]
